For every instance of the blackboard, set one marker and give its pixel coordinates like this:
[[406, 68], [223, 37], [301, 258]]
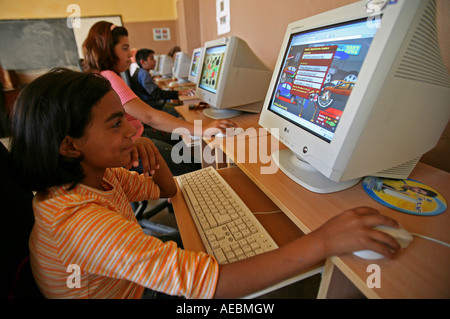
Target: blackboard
[[37, 44], [42, 44]]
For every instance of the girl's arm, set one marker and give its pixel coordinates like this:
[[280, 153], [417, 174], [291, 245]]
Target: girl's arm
[[157, 119], [164, 179], [153, 164], [345, 233], [167, 123]]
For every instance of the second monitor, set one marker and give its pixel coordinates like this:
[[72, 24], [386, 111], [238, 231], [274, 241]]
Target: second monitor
[[232, 78], [195, 64], [181, 67]]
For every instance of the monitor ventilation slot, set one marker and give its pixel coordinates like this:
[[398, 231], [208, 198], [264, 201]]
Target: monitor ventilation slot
[[400, 170], [424, 43]]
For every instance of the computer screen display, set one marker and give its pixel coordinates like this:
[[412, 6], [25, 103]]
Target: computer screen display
[[212, 65], [319, 71], [194, 64], [231, 78], [347, 97]]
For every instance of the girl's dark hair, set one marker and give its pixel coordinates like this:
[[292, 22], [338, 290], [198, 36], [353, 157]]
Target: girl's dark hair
[[55, 105], [98, 48]]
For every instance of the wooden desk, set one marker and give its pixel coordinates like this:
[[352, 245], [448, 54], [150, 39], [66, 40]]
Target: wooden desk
[[210, 153], [245, 120], [280, 228], [421, 271], [187, 100]]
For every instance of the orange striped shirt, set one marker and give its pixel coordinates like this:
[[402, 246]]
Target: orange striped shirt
[[97, 231]]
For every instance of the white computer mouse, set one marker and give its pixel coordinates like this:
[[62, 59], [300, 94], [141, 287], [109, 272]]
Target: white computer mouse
[[231, 132], [402, 236], [194, 137]]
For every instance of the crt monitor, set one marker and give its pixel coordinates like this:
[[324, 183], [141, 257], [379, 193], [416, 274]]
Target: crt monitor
[[232, 78], [155, 71], [181, 65], [358, 93], [195, 63], [165, 65]]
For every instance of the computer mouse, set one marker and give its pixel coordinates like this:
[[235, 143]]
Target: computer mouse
[[194, 137], [231, 132], [220, 135], [402, 236]]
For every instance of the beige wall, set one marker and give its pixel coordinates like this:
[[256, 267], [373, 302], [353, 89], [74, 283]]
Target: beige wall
[[141, 35], [189, 25], [138, 16], [131, 10], [262, 23]]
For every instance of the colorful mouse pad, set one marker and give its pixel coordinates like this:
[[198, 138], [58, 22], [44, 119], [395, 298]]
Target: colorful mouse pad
[[405, 195]]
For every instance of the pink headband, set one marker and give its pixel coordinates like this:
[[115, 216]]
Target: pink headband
[[113, 26]]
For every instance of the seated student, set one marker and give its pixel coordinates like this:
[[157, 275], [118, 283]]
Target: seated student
[[113, 58], [133, 66], [174, 50], [143, 85], [107, 52], [83, 217]]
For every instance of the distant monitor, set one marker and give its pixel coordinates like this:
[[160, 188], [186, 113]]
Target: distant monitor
[[156, 68], [181, 65], [232, 78], [165, 65], [358, 93], [195, 63]]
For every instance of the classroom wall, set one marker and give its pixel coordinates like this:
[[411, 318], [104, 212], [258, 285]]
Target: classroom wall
[[131, 10], [138, 16], [262, 23], [140, 35], [189, 25]]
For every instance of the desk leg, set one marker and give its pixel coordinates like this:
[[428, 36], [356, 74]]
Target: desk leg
[[335, 285], [213, 156], [207, 155], [221, 158]]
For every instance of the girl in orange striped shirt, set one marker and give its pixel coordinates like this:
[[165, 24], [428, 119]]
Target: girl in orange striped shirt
[[70, 143]]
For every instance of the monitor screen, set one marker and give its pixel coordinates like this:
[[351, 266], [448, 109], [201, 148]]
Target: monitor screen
[[194, 64], [320, 69], [347, 97], [212, 65]]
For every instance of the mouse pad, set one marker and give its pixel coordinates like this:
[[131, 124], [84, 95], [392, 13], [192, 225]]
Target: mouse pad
[[405, 195]]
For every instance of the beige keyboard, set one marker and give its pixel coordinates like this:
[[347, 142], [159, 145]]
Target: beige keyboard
[[228, 229]]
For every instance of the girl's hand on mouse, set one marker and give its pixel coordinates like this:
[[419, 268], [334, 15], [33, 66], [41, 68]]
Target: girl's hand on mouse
[[146, 151], [353, 230], [217, 126]]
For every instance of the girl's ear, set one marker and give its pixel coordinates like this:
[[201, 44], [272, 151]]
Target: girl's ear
[[68, 148]]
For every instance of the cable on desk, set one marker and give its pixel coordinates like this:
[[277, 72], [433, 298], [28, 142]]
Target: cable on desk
[[432, 239]]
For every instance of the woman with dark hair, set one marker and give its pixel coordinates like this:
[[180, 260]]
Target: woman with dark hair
[[70, 141], [107, 51]]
